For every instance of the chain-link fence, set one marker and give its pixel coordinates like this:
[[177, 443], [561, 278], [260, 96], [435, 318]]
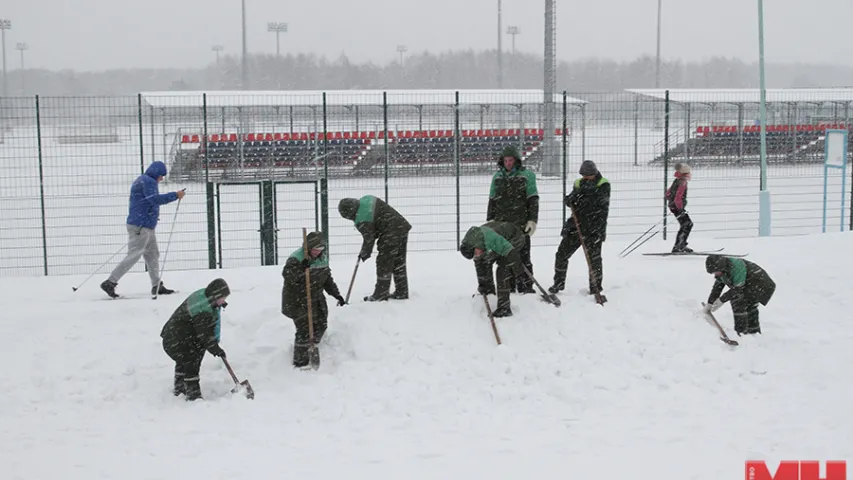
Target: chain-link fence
[[260, 166]]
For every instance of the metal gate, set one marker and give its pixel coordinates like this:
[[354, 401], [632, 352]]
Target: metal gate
[[296, 206], [250, 215]]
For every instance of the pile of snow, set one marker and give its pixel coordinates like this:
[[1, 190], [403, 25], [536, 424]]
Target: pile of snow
[[641, 387]]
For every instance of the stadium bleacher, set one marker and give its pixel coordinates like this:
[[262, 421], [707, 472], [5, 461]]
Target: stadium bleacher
[[722, 144], [410, 148]]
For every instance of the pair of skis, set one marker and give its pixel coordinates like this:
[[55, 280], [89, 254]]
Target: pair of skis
[[702, 253]]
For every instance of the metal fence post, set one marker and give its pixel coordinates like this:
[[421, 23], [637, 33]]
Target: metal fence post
[[324, 182], [141, 140], [41, 187], [456, 154], [565, 159], [385, 123], [665, 154], [211, 220]]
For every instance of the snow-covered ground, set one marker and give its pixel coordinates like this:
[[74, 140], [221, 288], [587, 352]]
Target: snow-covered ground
[[639, 388]]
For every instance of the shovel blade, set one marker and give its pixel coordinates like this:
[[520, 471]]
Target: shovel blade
[[250, 393], [314, 358]]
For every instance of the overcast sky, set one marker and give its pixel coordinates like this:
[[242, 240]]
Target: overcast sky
[[104, 34]]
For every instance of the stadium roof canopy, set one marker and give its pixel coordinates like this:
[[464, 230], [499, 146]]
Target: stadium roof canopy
[[314, 98], [748, 95]]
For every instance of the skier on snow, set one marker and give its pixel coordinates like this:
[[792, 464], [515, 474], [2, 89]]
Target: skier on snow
[[142, 217], [748, 285], [380, 223], [495, 242], [590, 203], [294, 300], [676, 196], [192, 329], [514, 198]]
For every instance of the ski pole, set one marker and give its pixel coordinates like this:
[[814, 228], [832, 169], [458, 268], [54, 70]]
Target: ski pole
[[166, 254], [638, 238], [98, 270], [641, 243]]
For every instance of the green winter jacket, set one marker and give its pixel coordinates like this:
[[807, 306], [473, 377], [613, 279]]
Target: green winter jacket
[[499, 240], [747, 282], [513, 196], [195, 324], [294, 300], [374, 219]]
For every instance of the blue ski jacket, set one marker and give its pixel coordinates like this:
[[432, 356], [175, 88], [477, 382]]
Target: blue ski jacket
[[145, 197]]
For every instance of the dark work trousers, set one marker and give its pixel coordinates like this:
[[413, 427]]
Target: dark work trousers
[[524, 283], [320, 319], [505, 279], [187, 356], [745, 312], [568, 246], [391, 263]]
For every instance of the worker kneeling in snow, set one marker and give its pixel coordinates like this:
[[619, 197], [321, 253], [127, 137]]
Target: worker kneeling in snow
[[748, 285], [190, 331]]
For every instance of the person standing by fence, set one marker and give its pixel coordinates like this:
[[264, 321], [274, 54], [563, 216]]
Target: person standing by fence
[[142, 218], [514, 198]]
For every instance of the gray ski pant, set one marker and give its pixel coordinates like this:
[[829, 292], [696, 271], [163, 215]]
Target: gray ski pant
[[141, 242]]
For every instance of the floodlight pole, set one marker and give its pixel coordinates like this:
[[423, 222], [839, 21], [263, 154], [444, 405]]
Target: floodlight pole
[[245, 67], [764, 212], [513, 30], [5, 25], [217, 49], [657, 57], [500, 50], [401, 49], [278, 28], [22, 46]]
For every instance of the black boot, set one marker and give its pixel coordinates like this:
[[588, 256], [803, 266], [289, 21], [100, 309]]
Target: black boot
[[109, 287], [180, 386], [380, 291], [192, 389], [401, 284], [162, 291], [300, 355], [559, 281], [752, 324], [502, 312]]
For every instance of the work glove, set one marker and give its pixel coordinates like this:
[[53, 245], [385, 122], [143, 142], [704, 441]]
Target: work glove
[[217, 351], [713, 307], [530, 228], [305, 263], [341, 301], [364, 255]]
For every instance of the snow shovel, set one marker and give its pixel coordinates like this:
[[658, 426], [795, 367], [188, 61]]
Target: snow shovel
[[250, 394], [352, 281], [725, 338], [491, 318], [552, 299], [599, 298]]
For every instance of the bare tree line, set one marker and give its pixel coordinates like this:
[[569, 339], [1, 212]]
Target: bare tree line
[[453, 70]]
